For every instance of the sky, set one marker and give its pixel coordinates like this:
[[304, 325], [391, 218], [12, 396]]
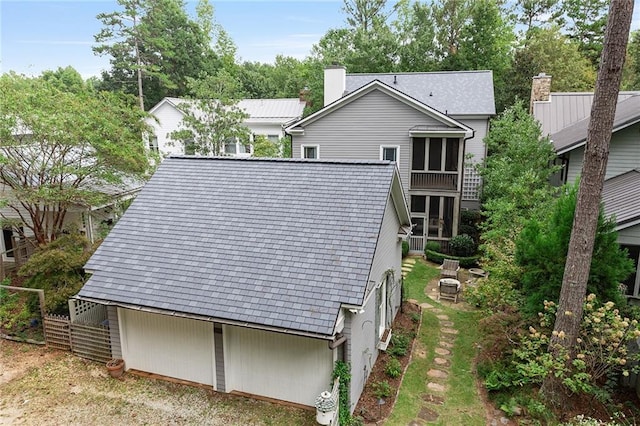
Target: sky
[[37, 35]]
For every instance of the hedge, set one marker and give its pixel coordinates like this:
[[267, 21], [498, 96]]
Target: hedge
[[465, 262]]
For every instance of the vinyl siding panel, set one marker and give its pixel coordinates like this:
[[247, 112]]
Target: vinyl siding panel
[[358, 129], [169, 119], [181, 347], [624, 154], [114, 331], [276, 365], [364, 339], [629, 236], [363, 352]]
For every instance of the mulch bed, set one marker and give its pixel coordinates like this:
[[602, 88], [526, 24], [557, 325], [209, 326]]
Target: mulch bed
[[368, 406]]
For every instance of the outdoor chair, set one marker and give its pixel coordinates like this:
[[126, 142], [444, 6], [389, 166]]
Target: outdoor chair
[[449, 288], [449, 269]]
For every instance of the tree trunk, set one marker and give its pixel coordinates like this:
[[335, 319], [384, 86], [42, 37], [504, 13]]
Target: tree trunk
[[576, 273]]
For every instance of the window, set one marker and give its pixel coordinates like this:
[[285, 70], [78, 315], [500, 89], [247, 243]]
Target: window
[[189, 147], [435, 154], [153, 144], [230, 148], [432, 215], [390, 153], [310, 151], [273, 138]]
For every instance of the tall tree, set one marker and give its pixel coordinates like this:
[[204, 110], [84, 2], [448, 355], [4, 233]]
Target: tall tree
[[486, 42], [585, 22], [60, 149], [548, 51], [416, 37], [361, 14], [124, 25], [531, 12], [155, 44], [581, 243], [450, 17], [515, 176], [631, 76]]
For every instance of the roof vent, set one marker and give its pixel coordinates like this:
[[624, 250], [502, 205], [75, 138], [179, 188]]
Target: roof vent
[[395, 79]]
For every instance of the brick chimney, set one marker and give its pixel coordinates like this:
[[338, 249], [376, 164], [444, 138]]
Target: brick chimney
[[335, 83], [540, 89], [303, 96]]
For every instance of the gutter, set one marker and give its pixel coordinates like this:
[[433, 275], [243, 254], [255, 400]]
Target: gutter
[[206, 318]]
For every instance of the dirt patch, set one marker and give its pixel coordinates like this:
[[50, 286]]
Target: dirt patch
[[368, 406], [17, 359], [40, 386]]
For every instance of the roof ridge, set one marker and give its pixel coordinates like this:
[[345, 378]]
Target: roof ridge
[[281, 160]]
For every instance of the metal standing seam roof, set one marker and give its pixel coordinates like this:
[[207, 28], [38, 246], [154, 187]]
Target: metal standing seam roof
[[450, 92], [262, 110], [275, 243], [621, 197], [627, 113], [566, 108]]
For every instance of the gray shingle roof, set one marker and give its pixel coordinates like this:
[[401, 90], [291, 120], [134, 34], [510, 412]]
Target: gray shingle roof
[[450, 92], [621, 197], [277, 243], [627, 113]]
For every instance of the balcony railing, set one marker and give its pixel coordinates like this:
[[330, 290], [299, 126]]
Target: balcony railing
[[434, 180]]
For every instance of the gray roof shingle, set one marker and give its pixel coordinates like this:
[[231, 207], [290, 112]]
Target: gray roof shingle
[[627, 113], [450, 92], [278, 243]]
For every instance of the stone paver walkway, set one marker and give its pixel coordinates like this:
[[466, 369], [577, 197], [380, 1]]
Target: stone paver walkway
[[437, 376]]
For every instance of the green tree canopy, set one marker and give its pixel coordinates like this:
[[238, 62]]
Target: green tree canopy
[[515, 176], [548, 51], [541, 252], [212, 118], [60, 149]]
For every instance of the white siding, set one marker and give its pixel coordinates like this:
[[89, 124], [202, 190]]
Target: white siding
[[624, 154], [630, 236], [169, 119], [276, 365], [363, 336], [167, 345]]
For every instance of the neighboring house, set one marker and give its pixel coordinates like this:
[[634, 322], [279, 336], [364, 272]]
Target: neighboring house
[[431, 124], [266, 117], [564, 117], [254, 276]]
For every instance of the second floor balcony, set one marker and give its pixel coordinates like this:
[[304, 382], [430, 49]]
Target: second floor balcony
[[434, 180]]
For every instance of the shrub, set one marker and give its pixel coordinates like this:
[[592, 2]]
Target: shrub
[[465, 262], [599, 356], [432, 246], [57, 268], [462, 245], [493, 294], [541, 251], [342, 371], [382, 389], [405, 248], [399, 344], [393, 368]]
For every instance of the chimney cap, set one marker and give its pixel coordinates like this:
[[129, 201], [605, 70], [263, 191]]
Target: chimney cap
[[334, 65], [542, 75]]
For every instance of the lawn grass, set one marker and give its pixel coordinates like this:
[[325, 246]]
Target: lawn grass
[[462, 403]]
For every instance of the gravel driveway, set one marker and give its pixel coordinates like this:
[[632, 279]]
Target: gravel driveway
[[39, 386]]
